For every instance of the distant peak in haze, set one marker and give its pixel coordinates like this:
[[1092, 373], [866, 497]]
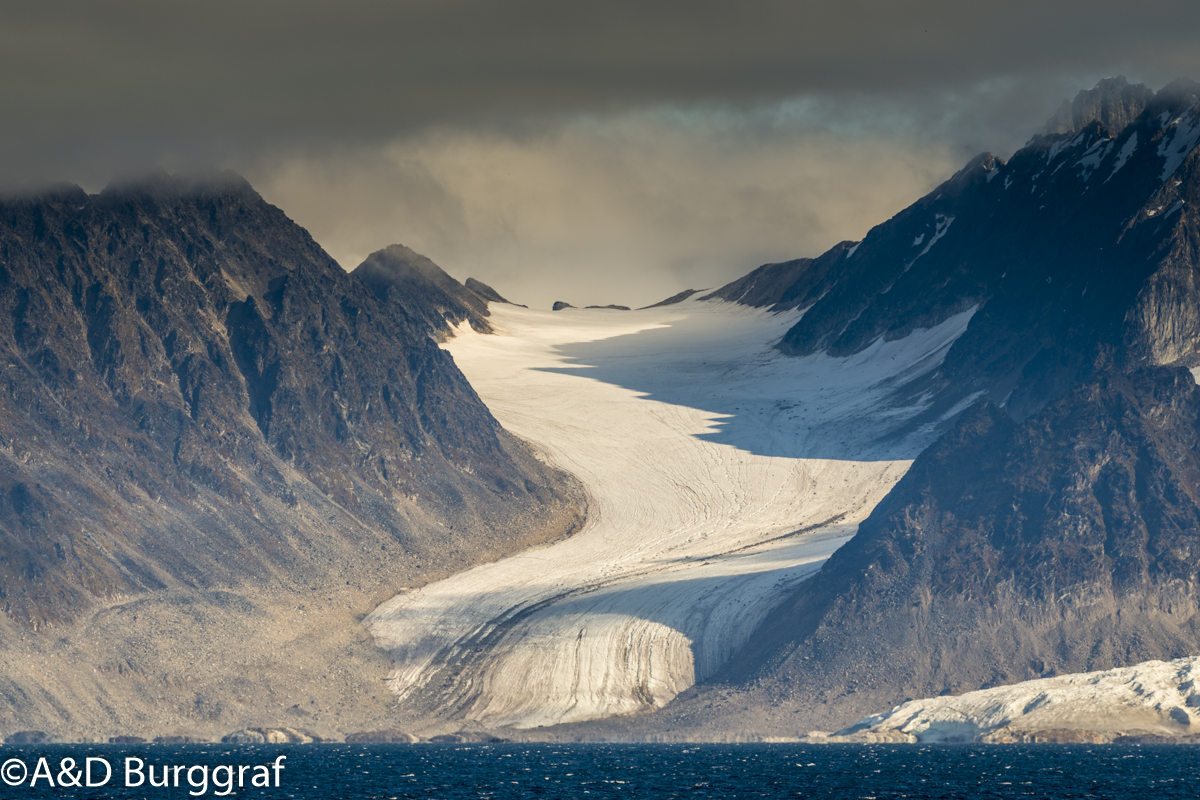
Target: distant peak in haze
[[425, 291], [486, 292], [1114, 102]]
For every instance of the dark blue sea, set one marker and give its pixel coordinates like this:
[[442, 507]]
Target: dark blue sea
[[393, 772]]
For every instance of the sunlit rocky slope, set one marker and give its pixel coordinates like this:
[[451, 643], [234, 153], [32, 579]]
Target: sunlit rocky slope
[[210, 436]]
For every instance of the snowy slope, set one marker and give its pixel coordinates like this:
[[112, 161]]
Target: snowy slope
[[720, 474], [1158, 697]]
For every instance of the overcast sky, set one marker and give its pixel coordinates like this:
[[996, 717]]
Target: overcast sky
[[611, 152]]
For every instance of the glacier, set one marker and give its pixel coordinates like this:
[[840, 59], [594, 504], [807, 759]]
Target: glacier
[[720, 474]]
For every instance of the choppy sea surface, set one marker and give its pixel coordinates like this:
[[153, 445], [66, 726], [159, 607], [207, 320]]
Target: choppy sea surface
[[543, 771]]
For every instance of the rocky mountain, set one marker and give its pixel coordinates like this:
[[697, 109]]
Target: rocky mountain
[[1054, 527], [199, 406], [1115, 103], [673, 299], [1055, 248], [487, 293], [399, 276]]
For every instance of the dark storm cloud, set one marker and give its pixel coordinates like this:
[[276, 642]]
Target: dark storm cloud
[[651, 144], [355, 68]]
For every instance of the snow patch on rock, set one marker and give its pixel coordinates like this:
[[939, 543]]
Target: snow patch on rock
[[1123, 155], [1175, 145]]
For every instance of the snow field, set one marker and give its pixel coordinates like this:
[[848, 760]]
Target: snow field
[[1154, 696], [720, 475]]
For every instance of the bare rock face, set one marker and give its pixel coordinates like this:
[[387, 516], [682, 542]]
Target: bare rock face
[[399, 276], [1055, 526], [559, 305], [486, 292], [271, 736], [1082, 237], [218, 450], [193, 390], [673, 299], [389, 736], [784, 285], [1114, 103], [1013, 551]]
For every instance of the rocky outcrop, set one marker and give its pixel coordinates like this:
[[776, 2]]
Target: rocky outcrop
[[611, 307], [389, 736], [400, 277], [468, 737], [487, 293], [673, 299], [559, 305], [1114, 103], [271, 736], [787, 284]]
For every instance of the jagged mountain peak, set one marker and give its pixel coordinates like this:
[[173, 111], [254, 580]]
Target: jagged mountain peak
[[402, 262], [191, 345], [486, 292], [1114, 102], [402, 276], [1052, 526], [1179, 94], [1072, 238]]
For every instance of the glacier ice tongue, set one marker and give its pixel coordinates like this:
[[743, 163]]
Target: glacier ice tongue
[[720, 475]]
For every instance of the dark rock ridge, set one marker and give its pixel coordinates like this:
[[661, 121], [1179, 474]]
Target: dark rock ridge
[[1055, 527], [488, 293], [1067, 543], [1079, 238], [194, 395], [1114, 103], [673, 299], [611, 307], [272, 736], [388, 736], [398, 275], [559, 305], [788, 284]]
